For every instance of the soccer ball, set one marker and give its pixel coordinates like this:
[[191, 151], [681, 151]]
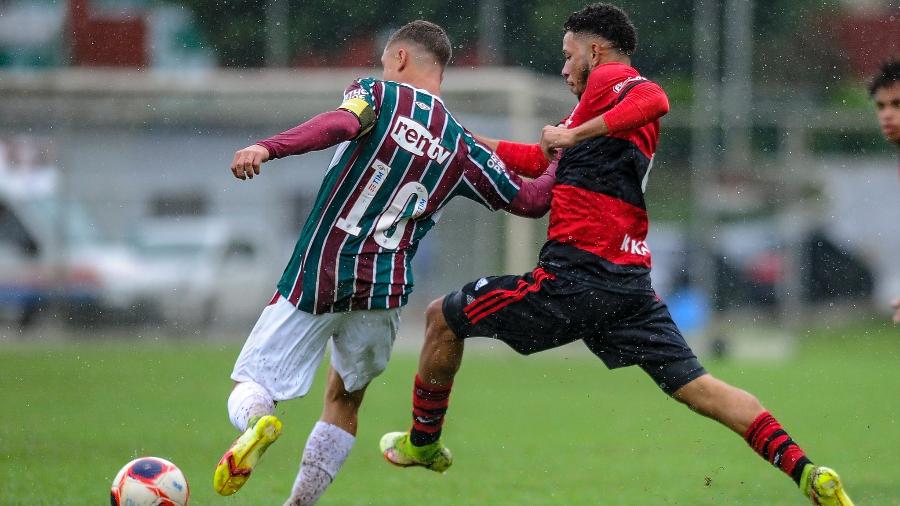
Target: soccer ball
[[150, 481]]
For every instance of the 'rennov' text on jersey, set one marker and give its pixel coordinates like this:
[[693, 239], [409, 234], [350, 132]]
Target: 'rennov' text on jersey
[[382, 192]]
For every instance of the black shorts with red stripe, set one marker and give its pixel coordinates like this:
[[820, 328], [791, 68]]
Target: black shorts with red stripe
[[543, 310]]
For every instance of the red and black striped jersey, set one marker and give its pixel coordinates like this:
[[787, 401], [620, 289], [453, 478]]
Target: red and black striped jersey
[[598, 219]]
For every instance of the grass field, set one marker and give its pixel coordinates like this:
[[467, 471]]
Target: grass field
[[553, 429]]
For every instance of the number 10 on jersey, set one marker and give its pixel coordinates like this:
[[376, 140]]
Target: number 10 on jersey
[[390, 226]]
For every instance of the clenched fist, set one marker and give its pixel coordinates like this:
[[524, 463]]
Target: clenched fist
[[555, 138], [247, 161]]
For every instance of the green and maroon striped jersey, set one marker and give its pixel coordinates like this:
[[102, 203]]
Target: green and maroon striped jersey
[[382, 193]]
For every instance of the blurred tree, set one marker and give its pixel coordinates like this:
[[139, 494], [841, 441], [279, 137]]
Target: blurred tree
[[320, 30], [334, 32], [796, 49], [535, 27], [234, 29]]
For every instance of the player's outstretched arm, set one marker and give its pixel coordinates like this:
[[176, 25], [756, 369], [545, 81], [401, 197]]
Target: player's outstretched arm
[[896, 305], [523, 159], [533, 199], [320, 132]]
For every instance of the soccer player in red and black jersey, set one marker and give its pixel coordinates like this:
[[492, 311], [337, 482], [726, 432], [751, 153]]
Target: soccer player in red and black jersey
[[593, 278], [885, 90]]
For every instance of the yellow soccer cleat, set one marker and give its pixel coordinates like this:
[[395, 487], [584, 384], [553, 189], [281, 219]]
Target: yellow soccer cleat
[[235, 466], [823, 486], [397, 450]]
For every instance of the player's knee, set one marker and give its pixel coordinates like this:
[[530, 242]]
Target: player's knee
[[341, 396], [337, 395], [344, 399]]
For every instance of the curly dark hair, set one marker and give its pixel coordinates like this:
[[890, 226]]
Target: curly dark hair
[[607, 21], [429, 35], [886, 77]]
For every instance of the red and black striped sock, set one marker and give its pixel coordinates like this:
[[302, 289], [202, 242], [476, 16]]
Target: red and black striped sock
[[429, 406], [769, 439]]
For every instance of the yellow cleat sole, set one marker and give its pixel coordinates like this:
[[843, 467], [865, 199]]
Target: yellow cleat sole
[[235, 466]]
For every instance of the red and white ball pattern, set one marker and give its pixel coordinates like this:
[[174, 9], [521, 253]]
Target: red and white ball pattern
[[149, 481]]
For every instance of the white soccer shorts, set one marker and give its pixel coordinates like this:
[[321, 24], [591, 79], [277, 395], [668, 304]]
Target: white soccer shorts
[[286, 346]]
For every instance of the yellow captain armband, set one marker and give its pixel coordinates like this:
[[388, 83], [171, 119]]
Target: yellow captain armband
[[363, 111]]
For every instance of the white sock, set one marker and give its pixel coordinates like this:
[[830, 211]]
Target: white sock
[[326, 450], [247, 400]]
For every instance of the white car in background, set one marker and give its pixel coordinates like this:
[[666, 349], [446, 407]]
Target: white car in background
[[54, 261], [203, 271]]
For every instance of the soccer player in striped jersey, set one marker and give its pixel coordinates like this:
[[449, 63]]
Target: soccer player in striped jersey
[[401, 158], [885, 91], [593, 280]]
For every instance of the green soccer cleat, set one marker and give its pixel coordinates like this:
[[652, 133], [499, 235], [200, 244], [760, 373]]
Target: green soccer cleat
[[823, 486], [235, 466], [399, 451]]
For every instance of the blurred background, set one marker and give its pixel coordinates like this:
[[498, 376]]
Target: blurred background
[[773, 198]]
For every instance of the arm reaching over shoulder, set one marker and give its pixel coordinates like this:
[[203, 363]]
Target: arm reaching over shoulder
[[320, 132], [533, 199], [643, 104]]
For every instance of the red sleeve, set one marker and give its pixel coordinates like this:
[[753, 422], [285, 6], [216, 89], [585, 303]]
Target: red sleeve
[[643, 104], [525, 159], [598, 94], [320, 132], [533, 199]]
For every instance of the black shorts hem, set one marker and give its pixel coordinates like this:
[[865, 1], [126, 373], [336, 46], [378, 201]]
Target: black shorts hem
[[452, 308], [671, 376]]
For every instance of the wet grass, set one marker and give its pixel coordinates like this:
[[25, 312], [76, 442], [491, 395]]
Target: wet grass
[[552, 429]]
